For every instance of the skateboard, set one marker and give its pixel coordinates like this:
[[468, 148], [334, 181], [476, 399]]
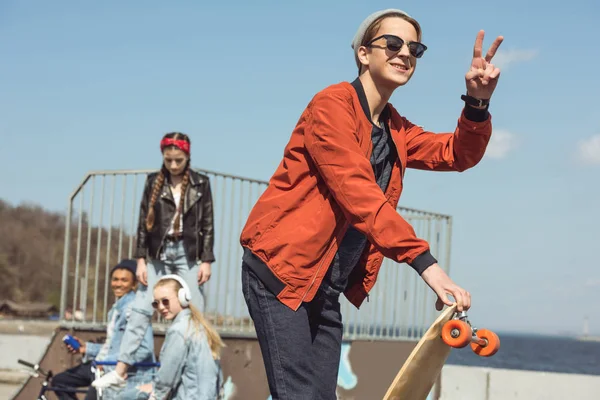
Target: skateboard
[[421, 369]]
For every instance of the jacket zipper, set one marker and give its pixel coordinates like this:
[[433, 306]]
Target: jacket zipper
[[344, 228], [165, 236], [320, 265], [386, 194], [181, 218], [161, 245], [198, 233], [397, 154]]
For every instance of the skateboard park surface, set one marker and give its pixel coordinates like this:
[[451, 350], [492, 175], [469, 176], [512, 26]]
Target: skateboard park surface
[[358, 379]]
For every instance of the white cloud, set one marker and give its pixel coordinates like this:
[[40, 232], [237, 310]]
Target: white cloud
[[588, 150], [592, 282], [504, 58], [501, 143], [568, 287]]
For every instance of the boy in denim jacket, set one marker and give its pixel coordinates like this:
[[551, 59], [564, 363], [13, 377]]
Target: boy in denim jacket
[[123, 282]]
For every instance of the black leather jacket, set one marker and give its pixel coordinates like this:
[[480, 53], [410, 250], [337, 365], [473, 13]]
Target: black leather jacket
[[198, 228]]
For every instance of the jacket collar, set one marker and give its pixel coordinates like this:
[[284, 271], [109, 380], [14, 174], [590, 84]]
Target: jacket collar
[[183, 315], [123, 301], [193, 192], [362, 98], [195, 179]]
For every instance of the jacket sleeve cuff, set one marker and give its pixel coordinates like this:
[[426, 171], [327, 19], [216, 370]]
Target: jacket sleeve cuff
[[476, 114], [423, 261], [140, 253], [91, 351], [207, 257]]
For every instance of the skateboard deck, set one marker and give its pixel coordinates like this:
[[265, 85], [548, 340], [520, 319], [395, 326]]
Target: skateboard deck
[[424, 364]]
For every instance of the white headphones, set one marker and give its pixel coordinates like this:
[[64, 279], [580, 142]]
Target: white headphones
[[184, 294]]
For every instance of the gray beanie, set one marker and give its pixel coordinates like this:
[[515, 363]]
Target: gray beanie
[[362, 29]]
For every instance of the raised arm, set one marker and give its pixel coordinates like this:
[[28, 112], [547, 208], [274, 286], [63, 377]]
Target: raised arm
[[457, 151], [464, 148]]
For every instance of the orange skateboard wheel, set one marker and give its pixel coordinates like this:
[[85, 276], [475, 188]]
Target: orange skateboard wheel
[[492, 346], [456, 333]]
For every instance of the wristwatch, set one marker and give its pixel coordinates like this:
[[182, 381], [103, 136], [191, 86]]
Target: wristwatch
[[475, 102]]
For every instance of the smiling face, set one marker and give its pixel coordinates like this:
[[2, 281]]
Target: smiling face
[[388, 66], [122, 282]]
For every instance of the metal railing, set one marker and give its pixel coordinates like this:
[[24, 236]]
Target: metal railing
[[100, 230]]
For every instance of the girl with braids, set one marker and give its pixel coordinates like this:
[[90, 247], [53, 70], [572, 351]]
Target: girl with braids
[[189, 357], [175, 236]]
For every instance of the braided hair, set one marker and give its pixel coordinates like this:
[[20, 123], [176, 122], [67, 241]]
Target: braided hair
[[160, 180]]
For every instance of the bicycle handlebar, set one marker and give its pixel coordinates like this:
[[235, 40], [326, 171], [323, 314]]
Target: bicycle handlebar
[[35, 367], [27, 364]]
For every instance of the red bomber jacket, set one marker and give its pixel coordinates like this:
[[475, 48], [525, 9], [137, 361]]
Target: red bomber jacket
[[326, 182]]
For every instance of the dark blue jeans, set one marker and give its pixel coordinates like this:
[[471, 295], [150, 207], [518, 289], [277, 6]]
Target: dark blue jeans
[[79, 376], [301, 349]]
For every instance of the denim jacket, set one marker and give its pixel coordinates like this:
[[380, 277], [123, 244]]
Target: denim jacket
[[117, 322], [188, 370]]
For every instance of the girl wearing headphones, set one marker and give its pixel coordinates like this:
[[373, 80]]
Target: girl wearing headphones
[[189, 357], [175, 236]]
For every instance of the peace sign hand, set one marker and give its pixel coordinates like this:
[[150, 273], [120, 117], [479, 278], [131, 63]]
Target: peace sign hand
[[483, 76]]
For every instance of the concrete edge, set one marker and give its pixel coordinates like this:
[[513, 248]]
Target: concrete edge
[[13, 377]]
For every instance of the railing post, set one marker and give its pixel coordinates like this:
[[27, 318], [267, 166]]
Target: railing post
[[400, 304], [65, 266], [448, 243]]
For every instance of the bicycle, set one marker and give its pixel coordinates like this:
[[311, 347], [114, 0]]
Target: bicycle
[[46, 384]]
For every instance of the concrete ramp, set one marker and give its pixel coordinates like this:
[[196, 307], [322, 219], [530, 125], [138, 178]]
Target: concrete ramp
[[26, 347], [366, 368]]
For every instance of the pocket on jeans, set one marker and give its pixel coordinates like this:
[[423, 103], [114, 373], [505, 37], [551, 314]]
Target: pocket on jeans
[[260, 285]]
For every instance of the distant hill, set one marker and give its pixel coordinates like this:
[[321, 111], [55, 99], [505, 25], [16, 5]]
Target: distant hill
[[31, 248], [31, 252]]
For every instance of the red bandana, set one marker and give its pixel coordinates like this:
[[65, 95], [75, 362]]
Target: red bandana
[[180, 144]]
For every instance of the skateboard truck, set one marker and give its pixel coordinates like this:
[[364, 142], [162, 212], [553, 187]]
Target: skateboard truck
[[458, 333], [462, 315]]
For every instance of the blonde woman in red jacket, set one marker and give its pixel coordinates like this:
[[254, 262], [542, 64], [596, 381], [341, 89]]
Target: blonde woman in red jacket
[[328, 216]]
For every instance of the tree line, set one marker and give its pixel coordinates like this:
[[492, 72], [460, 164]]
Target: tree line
[[32, 243]]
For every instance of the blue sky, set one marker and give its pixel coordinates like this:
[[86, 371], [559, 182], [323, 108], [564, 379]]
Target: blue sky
[[90, 86]]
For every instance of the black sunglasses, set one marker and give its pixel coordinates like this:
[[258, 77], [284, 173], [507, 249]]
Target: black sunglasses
[[394, 44], [165, 302]]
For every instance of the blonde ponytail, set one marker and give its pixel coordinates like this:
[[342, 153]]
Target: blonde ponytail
[[214, 339]]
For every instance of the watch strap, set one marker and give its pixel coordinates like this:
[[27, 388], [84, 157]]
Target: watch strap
[[475, 102]]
